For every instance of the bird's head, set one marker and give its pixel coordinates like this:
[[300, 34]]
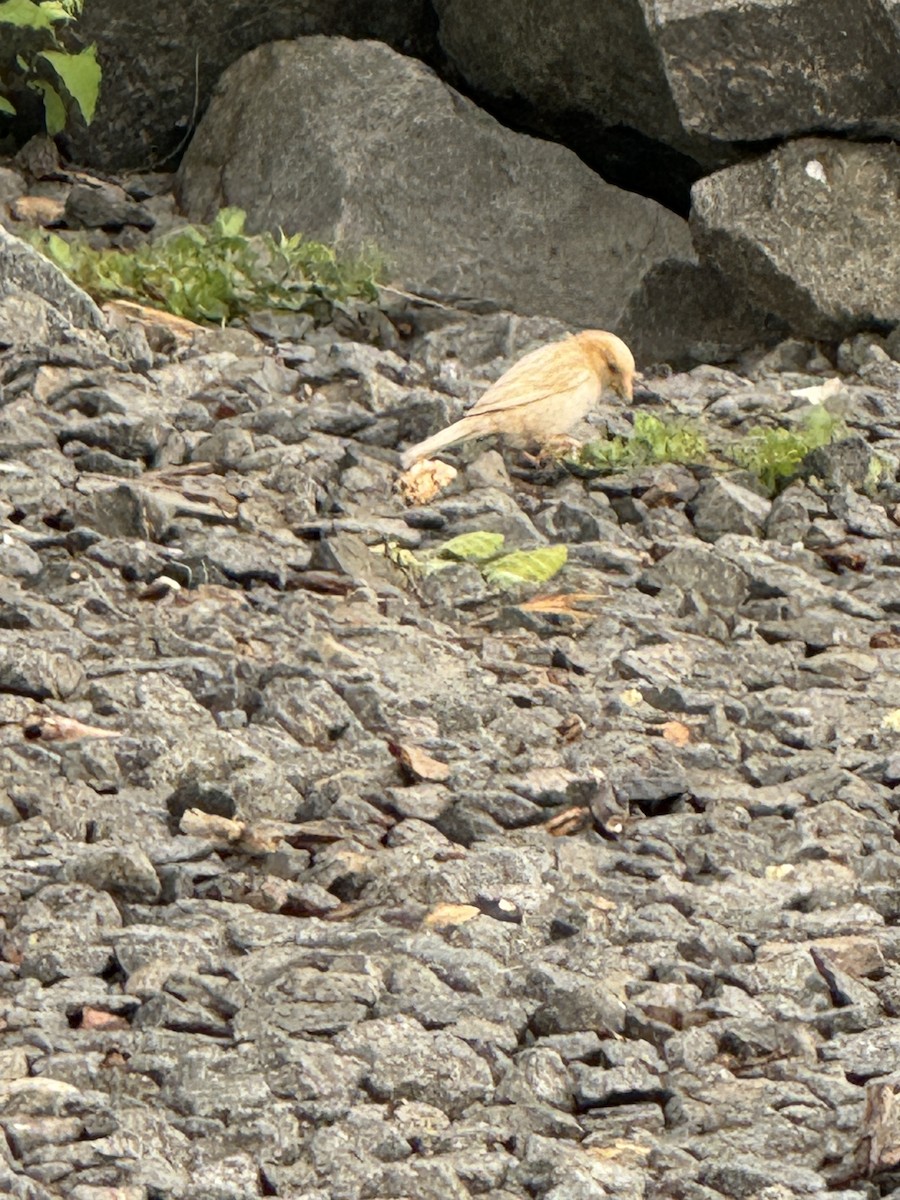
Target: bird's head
[[611, 359]]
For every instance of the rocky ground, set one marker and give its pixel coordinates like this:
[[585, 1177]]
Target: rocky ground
[[325, 880]]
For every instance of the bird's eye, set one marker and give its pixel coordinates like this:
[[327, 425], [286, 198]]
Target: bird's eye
[[613, 368]]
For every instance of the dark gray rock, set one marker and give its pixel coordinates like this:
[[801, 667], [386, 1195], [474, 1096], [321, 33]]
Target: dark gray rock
[[802, 66], [24, 269], [165, 80], [104, 206], [775, 227], [724, 506]]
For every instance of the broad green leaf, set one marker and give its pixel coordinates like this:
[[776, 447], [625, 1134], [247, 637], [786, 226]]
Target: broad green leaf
[[59, 250], [526, 566], [25, 14], [56, 11], [80, 73], [6, 107], [472, 547], [230, 222], [54, 109]]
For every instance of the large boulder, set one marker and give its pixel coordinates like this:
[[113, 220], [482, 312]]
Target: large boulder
[[587, 72], [773, 68], [810, 232], [629, 81], [161, 60], [353, 143]]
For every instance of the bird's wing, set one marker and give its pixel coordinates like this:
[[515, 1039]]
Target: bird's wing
[[540, 375]]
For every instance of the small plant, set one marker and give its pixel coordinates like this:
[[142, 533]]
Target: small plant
[[217, 272], [653, 441], [34, 56], [775, 455]]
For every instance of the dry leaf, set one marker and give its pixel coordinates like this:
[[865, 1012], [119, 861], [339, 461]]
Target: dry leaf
[[676, 733], [627, 1154], [444, 915], [887, 639], [97, 1018], [38, 210], [572, 820], [417, 763], [632, 697], [222, 830], [571, 727], [424, 480], [879, 1148], [564, 604], [51, 728]]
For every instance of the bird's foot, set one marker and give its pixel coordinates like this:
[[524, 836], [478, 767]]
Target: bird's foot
[[558, 447]]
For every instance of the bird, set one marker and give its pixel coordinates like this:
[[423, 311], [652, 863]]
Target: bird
[[543, 395]]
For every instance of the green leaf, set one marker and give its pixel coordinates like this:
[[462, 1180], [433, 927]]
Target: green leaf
[[59, 250], [229, 222], [6, 107], [24, 14], [54, 109], [526, 566], [472, 547], [80, 73], [55, 10]]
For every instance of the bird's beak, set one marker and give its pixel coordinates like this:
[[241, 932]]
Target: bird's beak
[[622, 388]]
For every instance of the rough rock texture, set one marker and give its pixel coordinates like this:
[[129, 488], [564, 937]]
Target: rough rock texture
[[777, 68], [578, 68], [630, 926], [161, 61], [24, 270], [364, 146], [810, 231]]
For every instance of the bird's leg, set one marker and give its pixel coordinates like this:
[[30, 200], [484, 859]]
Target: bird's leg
[[555, 448]]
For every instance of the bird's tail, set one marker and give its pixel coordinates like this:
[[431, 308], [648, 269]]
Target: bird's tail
[[457, 432]]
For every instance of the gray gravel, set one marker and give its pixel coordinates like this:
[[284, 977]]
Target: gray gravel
[[641, 941]]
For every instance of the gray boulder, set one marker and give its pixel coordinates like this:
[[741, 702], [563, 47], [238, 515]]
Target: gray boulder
[[776, 68], [161, 61], [360, 145], [581, 69], [809, 231], [24, 269]]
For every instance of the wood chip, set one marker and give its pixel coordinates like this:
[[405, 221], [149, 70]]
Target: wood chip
[[564, 604], [122, 311], [417, 764], [47, 727], [98, 1018], [446, 915], [572, 820], [221, 830]]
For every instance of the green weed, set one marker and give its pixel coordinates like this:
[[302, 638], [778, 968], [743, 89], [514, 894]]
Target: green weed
[[33, 56], [218, 272], [653, 441], [774, 455]]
